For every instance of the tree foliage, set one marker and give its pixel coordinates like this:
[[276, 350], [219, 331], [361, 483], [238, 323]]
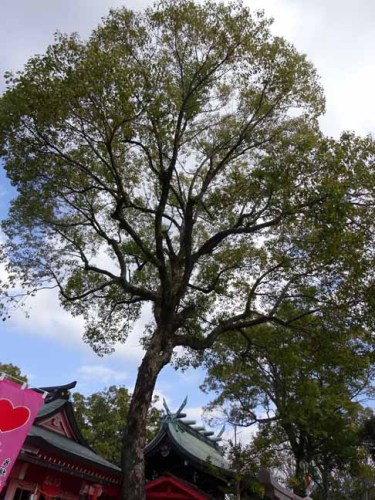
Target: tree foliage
[[302, 386], [102, 419], [269, 450], [12, 371], [175, 159], [151, 161]]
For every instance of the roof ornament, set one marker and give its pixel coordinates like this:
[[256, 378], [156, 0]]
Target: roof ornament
[[172, 417], [221, 431], [218, 438], [167, 410], [184, 403], [181, 424], [178, 413]]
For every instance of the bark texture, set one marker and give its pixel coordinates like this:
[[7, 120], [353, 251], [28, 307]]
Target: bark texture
[[134, 441]]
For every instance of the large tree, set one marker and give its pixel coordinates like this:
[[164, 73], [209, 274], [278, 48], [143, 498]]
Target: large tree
[[175, 159]]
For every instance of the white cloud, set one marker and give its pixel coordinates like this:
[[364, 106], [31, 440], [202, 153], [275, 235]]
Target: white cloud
[[162, 396], [43, 315], [191, 376], [30, 25], [338, 37], [194, 413], [243, 435], [103, 373], [46, 318]]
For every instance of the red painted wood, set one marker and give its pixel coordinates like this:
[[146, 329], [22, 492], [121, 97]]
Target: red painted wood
[[171, 496], [171, 488]]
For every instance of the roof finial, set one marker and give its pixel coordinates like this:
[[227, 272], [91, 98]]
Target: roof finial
[[168, 411], [177, 414], [184, 403], [221, 432]]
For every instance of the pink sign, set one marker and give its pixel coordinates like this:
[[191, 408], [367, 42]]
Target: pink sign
[[18, 409]]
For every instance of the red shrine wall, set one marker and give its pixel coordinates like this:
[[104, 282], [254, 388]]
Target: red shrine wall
[[44, 482]]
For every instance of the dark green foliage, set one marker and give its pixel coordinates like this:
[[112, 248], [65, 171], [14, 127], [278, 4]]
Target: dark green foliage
[[102, 419]]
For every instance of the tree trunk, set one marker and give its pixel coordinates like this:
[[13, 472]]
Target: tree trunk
[[325, 482], [134, 440], [299, 487]]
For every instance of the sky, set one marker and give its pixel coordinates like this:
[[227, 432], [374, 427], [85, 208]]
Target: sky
[[338, 36]]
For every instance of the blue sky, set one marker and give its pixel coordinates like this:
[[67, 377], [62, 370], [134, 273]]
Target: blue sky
[[338, 36]]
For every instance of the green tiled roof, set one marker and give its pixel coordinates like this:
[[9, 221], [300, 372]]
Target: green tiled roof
[[196, 444], [191, 441], [73, 448]]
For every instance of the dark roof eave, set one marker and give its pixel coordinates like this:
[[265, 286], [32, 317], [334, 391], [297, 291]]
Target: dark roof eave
[[26, 457], [54, 388], [157, 439], [38, 441]]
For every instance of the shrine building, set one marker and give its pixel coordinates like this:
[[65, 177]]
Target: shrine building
[[183, 461], [55, 460], [186, 452]]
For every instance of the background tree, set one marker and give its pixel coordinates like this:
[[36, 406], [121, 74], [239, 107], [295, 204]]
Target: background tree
[[13, 371], [303, 386], [175, 159], [270, 450], [102, 419]]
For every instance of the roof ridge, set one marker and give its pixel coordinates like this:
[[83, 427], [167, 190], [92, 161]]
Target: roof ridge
[[177, 416], [195, 432]]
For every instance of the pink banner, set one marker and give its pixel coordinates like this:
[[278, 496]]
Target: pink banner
[[18, 409]]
